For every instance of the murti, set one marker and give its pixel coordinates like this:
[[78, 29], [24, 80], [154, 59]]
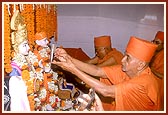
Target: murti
[[43, 86]]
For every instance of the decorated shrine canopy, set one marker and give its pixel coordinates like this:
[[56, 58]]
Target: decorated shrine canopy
[[37, 17]]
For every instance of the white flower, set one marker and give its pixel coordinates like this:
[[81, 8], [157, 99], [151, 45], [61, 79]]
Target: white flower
[[20, 60], [39, 75], [32, 57], [51, 85], [43, 52], [43, 93], [52, 99], [55, 76]]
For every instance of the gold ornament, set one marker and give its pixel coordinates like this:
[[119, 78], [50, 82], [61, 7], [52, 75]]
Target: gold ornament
[[20, 32]]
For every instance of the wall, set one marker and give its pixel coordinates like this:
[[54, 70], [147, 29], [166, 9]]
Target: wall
[[78, 24]]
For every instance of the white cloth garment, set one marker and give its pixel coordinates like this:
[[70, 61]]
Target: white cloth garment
[[18, 93]]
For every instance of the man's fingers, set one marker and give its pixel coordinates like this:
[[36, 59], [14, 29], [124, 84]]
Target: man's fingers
[[86, 96], [56, 62], [82, 101]]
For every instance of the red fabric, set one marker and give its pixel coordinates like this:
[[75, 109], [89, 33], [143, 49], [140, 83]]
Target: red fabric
[[157, 62], [141, 49], [139, 93], [161, 88], [77, 53], [113, 53], [160, 35], [102, 41], [109, 103], [40, 35]]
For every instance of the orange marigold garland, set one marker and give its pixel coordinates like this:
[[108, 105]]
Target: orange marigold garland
[[51, 20], [28, 14], [36, 18], [7, 43], [55, 22], [46, 17], [25, 75]]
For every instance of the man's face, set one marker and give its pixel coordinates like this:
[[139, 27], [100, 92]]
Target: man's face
[[158, 42], [100, 52], [129, 63], [24, 48], [43, 42]]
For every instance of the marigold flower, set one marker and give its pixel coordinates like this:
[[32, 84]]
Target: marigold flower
[[39, 48], [24, 67], [36, 20], [49, 75], [8, 70], [35, 64], [25, 75], [38, 69]]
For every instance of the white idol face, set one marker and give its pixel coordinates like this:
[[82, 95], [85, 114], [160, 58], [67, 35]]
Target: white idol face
[[44, 42], [24, 48]]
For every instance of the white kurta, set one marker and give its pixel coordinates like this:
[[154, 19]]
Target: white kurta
[[18, 93]]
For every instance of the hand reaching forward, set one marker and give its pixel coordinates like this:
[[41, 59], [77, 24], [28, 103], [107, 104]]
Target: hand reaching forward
[[97, 106], [60, 54], [65, 61]]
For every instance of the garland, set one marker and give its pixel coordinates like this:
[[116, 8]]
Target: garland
[[28, 14], [28, 73], [37, 17], [7, 42], [51, 20]]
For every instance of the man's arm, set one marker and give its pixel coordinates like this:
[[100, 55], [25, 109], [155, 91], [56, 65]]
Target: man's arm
[[94, 60], [109, 62], [88, 68], [105, 90], [91, 69]]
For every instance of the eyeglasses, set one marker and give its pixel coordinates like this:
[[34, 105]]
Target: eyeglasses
[[99, 49], [156, 42]]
